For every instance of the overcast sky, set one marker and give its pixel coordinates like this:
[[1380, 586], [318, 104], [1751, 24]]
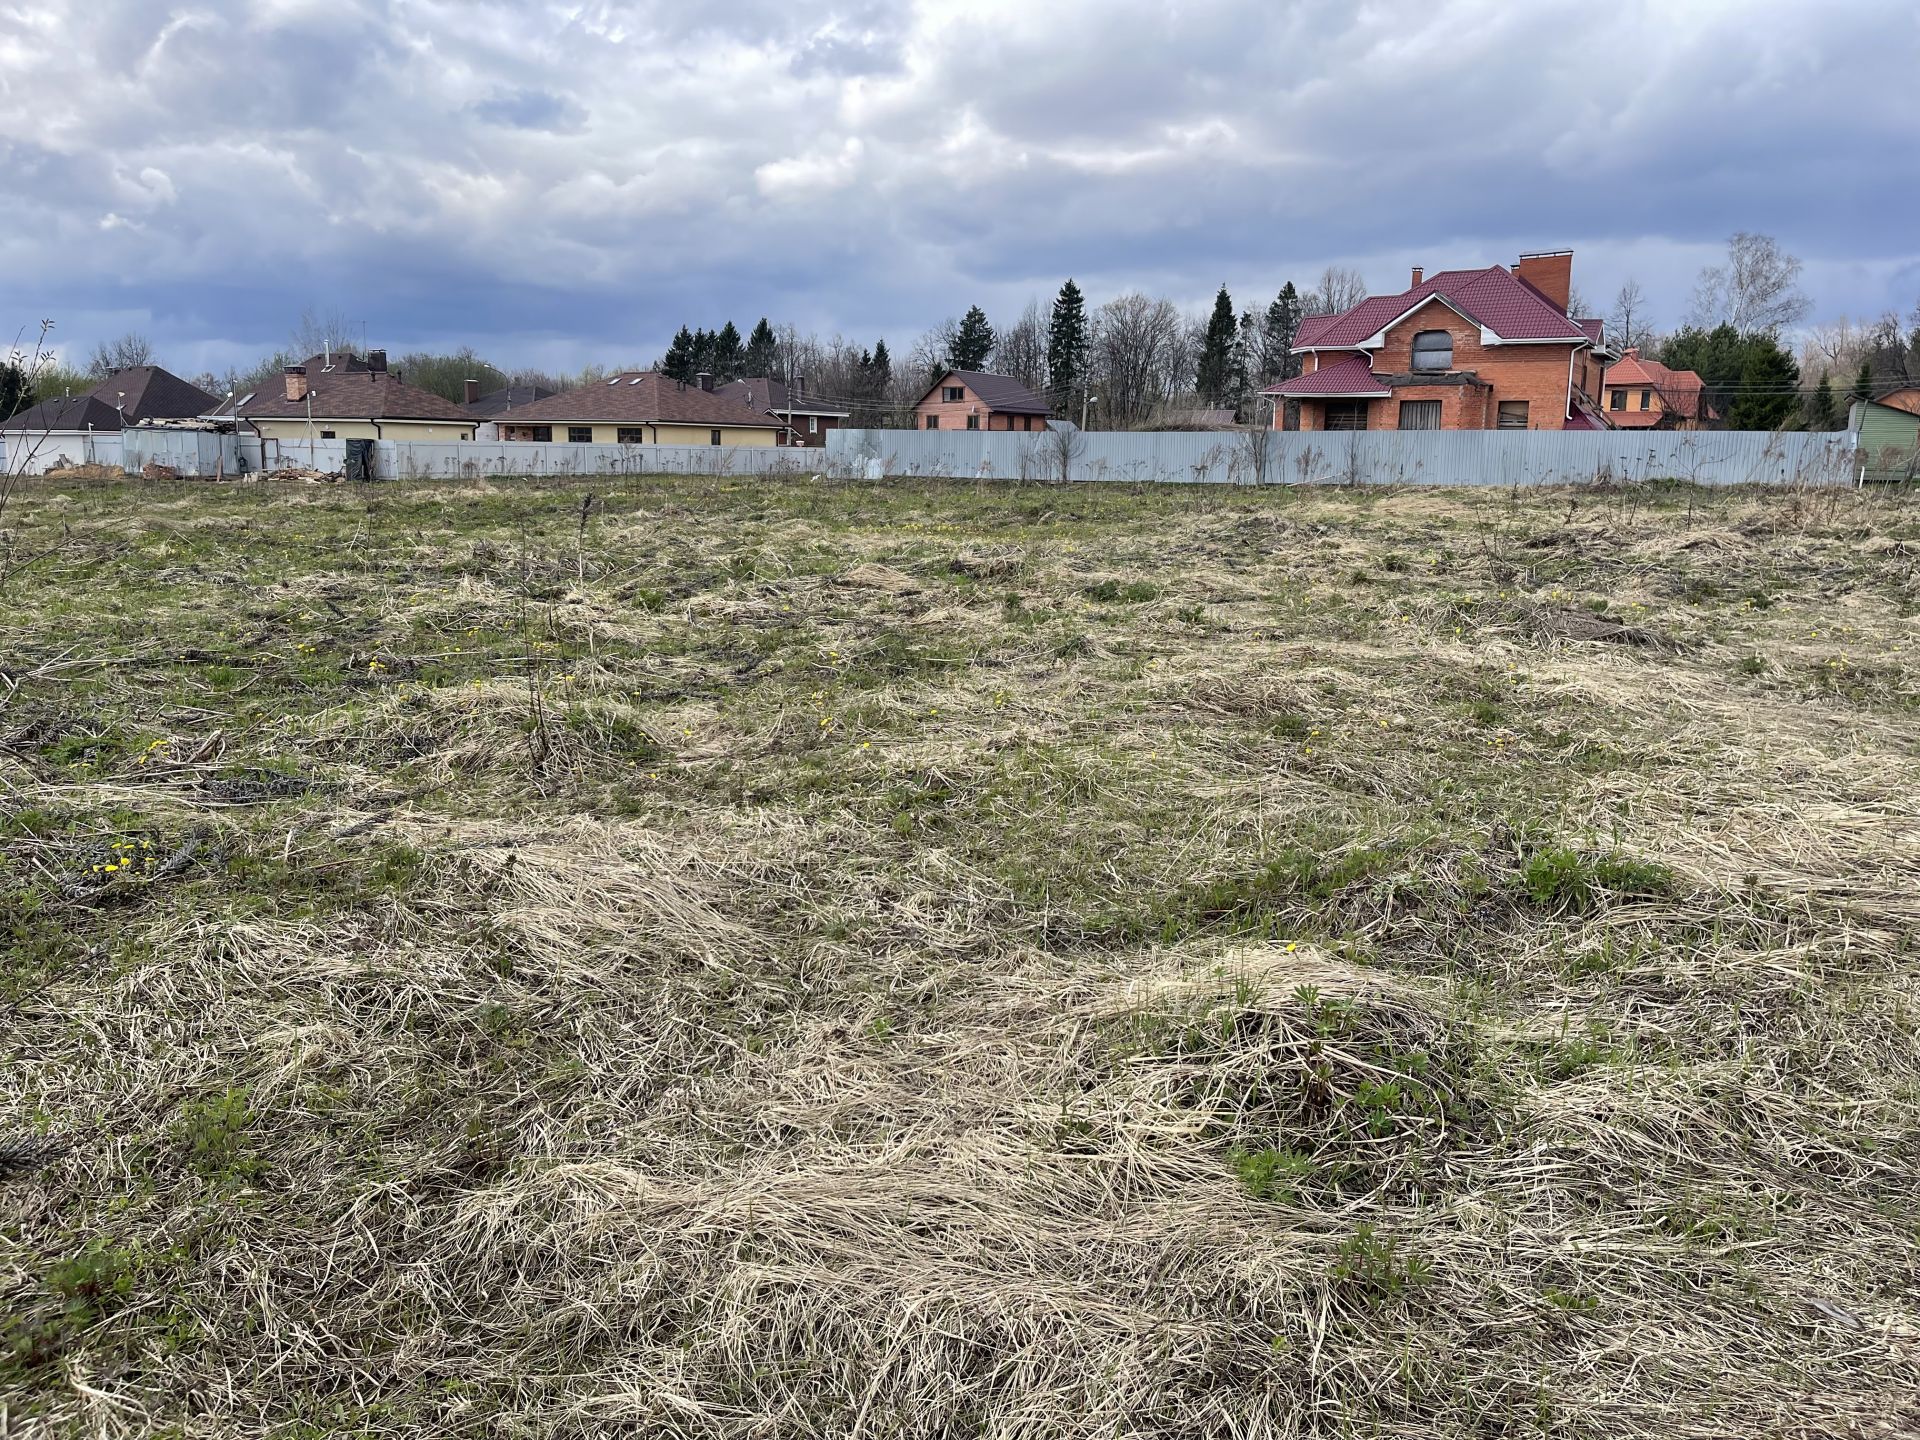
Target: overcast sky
[[568, 182]]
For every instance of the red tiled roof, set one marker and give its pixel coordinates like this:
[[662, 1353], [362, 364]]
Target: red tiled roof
[[1349, 375], [1492, 298], [1596, 330], [1679, 389]]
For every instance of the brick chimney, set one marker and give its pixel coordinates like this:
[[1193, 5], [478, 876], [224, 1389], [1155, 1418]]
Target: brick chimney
[[296, 383], [472, 391], [1551, 273], [705, 377], [377, 361], [800, 384], [1419, 274]]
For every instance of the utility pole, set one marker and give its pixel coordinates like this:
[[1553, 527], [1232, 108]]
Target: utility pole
[[1085, 401]]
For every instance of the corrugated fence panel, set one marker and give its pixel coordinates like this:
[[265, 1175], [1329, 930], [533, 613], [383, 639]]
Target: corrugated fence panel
[[35, 453], [423, 459], [1486, 457], [1535, 457]]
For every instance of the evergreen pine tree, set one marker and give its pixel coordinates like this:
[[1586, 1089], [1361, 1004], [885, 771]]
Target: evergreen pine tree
[[702, 354], [1067, 345], [762, 351], [1768, 380], [15, 393], [1215, 379], [973, 343], [1283, 328], [1862, 383], [679, 362], [1822, 414], [1243, 393], [728, 354]]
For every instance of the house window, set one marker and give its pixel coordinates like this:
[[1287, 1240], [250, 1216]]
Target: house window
[[541, 433], [933, 422], [1513, 414], [631, 435], [579, 434], [1346, 415], [1432, 350], [1419, 414], [1616, 400], [713, 437], [326, 434], [973, 422], [953, 394], [1646, 399]]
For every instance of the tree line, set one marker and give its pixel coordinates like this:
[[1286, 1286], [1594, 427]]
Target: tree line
[[1140, 361]]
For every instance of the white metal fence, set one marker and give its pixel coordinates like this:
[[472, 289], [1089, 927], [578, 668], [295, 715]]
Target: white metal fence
[[1535, 457], [37, 452], [1484, 457]]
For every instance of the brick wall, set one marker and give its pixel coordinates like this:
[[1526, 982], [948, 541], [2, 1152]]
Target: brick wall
[[1536, 374]]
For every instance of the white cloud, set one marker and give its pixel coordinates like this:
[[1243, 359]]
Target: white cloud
[[608, 170]]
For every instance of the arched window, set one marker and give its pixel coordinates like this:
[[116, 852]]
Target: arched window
[[1433, 350]]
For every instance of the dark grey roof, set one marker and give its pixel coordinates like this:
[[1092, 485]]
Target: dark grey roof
[[763, 392], [997, 392], [145, 392], [511, 397]]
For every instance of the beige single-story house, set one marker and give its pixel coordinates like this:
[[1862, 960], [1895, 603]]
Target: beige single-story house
[[343, 397], [641, 407]]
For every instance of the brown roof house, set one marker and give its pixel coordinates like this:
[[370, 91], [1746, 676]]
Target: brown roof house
[[496, 404], [343, 397], [974, 400], [641, 407], [62, 428], [807, 417]]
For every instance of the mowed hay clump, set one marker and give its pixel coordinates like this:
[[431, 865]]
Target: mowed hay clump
[[774, 959]]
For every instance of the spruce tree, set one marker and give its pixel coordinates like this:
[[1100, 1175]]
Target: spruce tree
[[1215, 379], [973, 343], [15, 393], [1821, 411], [702, 353], [1067, 345], [679, 362], [728, 354], [1283, 329], [762, 350], [1862, 383], [1768, 381]]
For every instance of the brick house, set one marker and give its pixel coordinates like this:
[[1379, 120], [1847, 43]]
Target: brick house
[[807, 417], [1645, 395], [972, 400], [1461, 350]]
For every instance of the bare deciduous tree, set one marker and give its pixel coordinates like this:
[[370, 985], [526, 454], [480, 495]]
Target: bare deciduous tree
[[1757, 291], [1627, 321], [1063, 447], [1022, 348], [1339, 288], [1137, 340], [112, 356], [322, 331]]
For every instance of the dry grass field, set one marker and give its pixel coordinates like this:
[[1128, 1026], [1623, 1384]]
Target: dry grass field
[[734, 959]]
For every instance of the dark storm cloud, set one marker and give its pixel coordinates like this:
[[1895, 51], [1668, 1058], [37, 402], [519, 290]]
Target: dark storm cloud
[[572, 180]]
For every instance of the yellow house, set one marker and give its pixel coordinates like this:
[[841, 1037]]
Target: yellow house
[[641, 407], [343, 397]]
